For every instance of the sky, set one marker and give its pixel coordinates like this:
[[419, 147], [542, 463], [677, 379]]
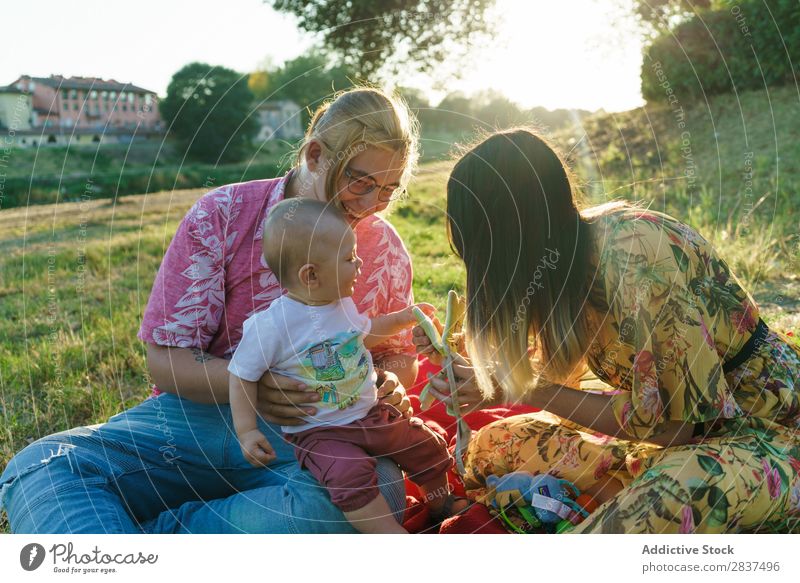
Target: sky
[[570, 54]]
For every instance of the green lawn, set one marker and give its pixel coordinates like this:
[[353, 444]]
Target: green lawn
[[74, 278], [75, 281]]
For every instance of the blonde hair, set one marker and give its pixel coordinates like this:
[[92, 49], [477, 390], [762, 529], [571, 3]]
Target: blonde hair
[[359, 118]]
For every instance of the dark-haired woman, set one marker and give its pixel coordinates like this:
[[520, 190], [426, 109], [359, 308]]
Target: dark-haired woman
[[700, 431]]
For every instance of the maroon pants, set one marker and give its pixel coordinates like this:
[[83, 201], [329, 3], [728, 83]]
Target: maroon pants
[[341, 458]]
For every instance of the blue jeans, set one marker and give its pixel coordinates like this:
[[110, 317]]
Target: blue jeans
[[169, 465]]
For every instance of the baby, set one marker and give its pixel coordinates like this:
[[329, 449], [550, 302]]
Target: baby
[[315, 334]]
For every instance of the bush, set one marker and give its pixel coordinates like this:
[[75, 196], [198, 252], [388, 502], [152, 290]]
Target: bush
[[23, 191], [749, 45]]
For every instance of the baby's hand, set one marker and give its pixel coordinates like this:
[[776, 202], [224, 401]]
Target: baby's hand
[[407, 317], [256, 448]]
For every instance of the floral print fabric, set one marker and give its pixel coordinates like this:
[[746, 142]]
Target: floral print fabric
[[669, 314], [213, 276]]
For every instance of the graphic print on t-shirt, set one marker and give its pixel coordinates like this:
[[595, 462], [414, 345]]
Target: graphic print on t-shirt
[[340, 365]]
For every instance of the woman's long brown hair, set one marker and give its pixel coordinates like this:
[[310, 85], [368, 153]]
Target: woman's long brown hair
[[514, 219]]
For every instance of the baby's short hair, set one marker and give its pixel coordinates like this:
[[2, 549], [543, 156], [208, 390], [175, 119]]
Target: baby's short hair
[[296, 231]]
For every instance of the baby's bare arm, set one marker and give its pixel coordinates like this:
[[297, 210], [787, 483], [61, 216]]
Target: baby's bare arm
[[256, 448], [243, 398], [386, 326]]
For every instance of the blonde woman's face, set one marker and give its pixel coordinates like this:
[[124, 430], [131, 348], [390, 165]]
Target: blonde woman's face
[[375, 168]]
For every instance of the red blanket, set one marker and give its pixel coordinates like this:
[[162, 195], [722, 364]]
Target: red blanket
[[477, 518]]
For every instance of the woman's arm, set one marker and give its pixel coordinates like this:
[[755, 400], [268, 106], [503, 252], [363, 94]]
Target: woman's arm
[[591, 410], [189, 373], [594, 411], [198, 376]]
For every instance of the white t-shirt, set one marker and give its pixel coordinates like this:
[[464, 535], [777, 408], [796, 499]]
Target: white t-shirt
[[322, 346]]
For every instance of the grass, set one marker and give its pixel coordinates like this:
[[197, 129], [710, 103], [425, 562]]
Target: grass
[[730, 167], [75, 281], [51, 174], [75, 277]]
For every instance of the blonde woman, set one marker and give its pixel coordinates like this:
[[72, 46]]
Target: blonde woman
[[173, 464], [699, 434]]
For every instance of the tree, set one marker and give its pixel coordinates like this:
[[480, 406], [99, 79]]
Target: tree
[[308, 80], [372, 36], [496, 110], [661, 15], [456, 113], [258, 84], [208, 110], [419, 105]]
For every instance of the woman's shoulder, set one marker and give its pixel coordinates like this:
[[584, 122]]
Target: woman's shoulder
[[643, 230], [377, 232], [236, 201]]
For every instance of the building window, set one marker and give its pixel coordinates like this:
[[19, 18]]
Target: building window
[[112, 96], [148, 100], [124, 107], [66, 105], [73, 94], [131, 97], [104, 95], [64, 94], [74, 107], [94, 94]]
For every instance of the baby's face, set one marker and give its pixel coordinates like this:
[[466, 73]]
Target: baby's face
[[340, 268]]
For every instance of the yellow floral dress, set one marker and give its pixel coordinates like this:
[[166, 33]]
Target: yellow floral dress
[[669, 313]]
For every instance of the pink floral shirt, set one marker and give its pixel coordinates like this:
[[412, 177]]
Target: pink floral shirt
[[213, 276]]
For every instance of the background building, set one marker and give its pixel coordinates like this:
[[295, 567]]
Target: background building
[[279, 120], [15, 108], [89, 102], [75, 110]]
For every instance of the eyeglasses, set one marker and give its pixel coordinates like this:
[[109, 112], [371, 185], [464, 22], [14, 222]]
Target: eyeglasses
[[361, 185]]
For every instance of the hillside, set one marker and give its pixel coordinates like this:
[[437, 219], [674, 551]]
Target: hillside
[[729, 166]]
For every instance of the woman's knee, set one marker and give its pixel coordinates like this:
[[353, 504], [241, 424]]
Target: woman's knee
[[37, 479], [308, 508], [53, 453]]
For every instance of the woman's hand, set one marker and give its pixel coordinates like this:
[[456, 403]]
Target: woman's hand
[[284, 400], [392, 392], [470, 397]]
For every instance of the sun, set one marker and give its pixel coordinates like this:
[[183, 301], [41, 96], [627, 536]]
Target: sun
[[576, 54]]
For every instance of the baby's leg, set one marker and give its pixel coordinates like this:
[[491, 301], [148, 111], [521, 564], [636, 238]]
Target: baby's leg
[[375, 518], [348, 473], [435, 493], [421, 452]]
